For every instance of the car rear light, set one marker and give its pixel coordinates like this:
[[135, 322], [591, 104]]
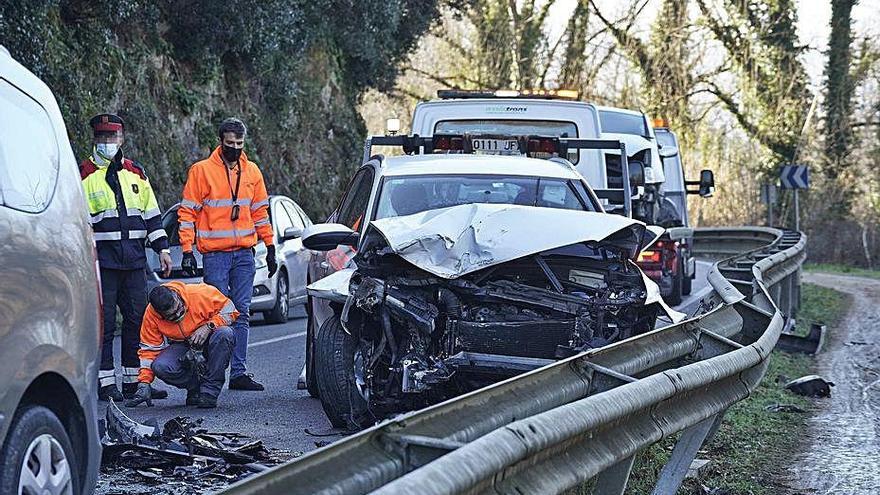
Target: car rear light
[[649, 256], [448, 143], [543, 145]]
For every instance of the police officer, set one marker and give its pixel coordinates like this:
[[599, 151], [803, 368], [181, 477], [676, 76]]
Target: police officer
[[124, 216]]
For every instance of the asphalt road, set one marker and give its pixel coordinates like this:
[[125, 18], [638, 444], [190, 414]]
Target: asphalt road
[[281, 414]]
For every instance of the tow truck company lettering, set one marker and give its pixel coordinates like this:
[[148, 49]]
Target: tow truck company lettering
[[500, 109]]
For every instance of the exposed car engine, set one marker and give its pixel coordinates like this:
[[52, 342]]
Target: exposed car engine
[[417, 333]]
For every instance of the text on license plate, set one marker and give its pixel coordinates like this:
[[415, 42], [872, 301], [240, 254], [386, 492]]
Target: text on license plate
[[495, 146]]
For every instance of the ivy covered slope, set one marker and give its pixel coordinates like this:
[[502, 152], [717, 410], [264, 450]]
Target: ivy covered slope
[[294, 70]]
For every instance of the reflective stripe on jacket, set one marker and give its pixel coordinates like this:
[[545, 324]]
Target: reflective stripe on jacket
[[206, 209], [204, 303], [124, 213]]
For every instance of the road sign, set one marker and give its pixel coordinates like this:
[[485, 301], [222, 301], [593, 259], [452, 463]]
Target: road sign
[[794, 177], [768, 193]]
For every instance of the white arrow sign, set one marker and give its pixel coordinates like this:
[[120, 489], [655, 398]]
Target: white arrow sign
[[795, 177]]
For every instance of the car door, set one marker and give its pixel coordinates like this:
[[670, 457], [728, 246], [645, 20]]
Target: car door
[[296, 255]]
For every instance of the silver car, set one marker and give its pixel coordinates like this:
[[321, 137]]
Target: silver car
[[50, 306], [272, 296]]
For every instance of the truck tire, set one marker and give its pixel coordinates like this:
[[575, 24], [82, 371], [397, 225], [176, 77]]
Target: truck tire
[[37, 441], [674, 298], [334, 373], [686, 284]]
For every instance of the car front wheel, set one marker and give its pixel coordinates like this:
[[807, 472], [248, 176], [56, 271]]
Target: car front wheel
[[340, 391], [37, 458]]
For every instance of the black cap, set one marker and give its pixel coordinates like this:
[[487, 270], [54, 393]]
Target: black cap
[[106, 122]]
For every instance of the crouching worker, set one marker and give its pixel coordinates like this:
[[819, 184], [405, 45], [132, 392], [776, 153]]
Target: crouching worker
[[186, 341]]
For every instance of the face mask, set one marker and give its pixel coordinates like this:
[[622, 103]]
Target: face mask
[[107, 150], [231, 154]]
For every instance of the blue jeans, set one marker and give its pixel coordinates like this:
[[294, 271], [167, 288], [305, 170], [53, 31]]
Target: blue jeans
[[232, 272]]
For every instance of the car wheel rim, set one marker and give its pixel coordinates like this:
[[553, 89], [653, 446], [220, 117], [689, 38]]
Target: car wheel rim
[[45, 470], [284, 296], [360, 378]]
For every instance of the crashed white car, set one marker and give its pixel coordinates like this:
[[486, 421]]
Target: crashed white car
[[439, 274]]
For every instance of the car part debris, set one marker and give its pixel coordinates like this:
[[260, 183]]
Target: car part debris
[[182, 449], [811, 344], [785, 408], [810, 386]]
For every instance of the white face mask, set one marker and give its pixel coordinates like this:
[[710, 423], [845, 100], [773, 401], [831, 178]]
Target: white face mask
[[107, 150]]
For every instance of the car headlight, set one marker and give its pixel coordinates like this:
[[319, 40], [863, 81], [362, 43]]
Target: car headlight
[[260, 262]]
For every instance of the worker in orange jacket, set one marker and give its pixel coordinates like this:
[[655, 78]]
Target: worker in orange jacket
[[186, 341], [225, 209]]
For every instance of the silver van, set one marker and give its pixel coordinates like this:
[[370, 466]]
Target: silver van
[[50, 305]]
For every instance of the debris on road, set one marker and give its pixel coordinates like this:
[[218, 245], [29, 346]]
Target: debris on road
[[697, 468], [810, 386], [182, 455]]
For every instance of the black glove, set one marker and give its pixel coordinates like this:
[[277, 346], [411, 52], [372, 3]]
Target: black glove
[[144, 394], [188, 264], [271, 262]]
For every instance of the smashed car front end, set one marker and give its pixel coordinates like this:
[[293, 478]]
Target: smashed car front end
[[450, 300]]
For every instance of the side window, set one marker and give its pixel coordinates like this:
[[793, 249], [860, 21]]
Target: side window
[[28, 152], [280, 219], [294, 216], [305, 218], [354, 206]]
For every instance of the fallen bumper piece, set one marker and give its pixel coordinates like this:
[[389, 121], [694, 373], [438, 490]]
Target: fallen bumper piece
[[181, 451]]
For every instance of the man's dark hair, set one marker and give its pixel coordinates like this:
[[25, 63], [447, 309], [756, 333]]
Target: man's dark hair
[[162, 299], [232, 125]]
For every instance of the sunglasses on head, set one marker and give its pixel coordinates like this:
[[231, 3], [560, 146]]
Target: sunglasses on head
[[176, 313]]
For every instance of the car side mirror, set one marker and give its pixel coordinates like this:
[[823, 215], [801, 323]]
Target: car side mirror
[[291, 233], [668, 151], [706, 184], [327, 236], [636, 173]]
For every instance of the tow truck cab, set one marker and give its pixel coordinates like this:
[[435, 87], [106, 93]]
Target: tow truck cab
[[670, 262]]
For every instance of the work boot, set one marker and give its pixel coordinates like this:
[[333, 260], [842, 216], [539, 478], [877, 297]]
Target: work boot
[[193, 397], [110, 392], [206, 402], [245, 382], [129, 389]]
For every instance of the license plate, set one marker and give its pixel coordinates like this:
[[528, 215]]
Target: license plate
[[495, 146]]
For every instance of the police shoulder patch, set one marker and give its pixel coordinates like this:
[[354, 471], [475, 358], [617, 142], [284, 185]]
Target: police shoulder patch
[[135, 189]]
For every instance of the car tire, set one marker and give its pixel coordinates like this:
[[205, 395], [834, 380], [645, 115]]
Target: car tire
[[279, 313], [37, 440], [675, 294], [311, 381], [334, 366]]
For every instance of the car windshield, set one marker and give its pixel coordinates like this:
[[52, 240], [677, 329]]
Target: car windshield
[[510, 128], [623, 123], [407, 195]]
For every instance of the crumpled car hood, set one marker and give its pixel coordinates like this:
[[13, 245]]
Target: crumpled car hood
[[451, 242]]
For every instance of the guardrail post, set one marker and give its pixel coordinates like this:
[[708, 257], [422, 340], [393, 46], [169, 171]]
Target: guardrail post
[[683, 455], [613, 480]]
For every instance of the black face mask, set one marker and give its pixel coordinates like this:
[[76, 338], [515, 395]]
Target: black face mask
[[230, 154]]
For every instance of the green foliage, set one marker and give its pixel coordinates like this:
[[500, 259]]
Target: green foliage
[[293, 70], [839, 88]]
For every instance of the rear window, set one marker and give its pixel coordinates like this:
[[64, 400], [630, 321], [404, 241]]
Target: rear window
[[402, 196], [623, 123], [511, 128]]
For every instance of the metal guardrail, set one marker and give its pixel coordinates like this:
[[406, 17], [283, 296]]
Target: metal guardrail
[[587, 416]]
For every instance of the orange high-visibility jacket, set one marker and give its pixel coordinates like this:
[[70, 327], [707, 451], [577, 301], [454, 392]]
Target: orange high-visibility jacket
[[206, 209], [204, 303]]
